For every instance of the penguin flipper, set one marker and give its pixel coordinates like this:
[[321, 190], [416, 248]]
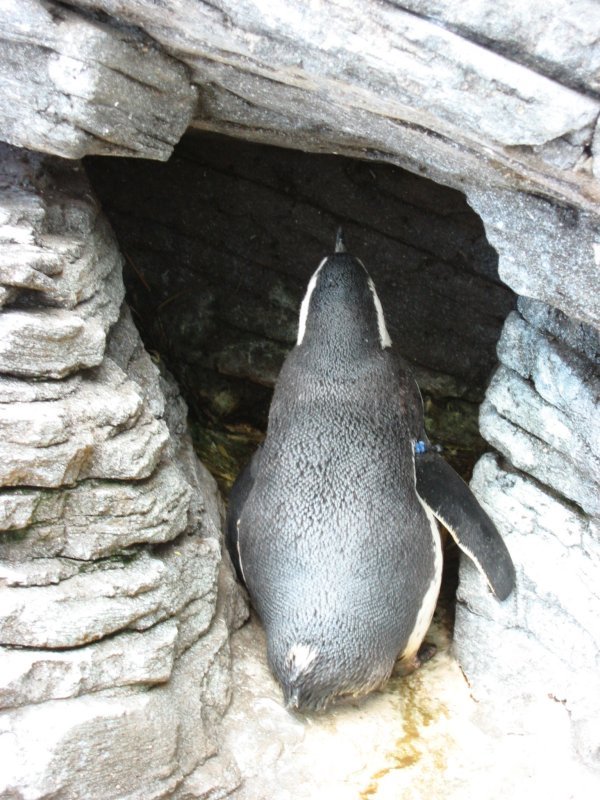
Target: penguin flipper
[[452, 502], [237, 499]]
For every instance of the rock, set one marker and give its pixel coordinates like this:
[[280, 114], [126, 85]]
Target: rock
[[538, 439], [218, 777], [547, 251], [559, 44], [135, 592], [552, 620], [60, 263], [541, 407], [577, 336], [52, 342], [134, 743], [57, 246], [126, 659], [94, 519], [73, 85], [102, 430]]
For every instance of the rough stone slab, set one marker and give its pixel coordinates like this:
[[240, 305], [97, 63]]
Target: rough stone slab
[[56, 246], [54, 342], [583, 339], [319, 44], [318, 78], [536, 457], [218, 777], [134, 592], [72, 85], [547, 251], [574, 437], [37, 572], [101, 430], [421, 737], [131, 744], [125, 348], [544, 639], [567, 381], [35, 676], [95, 518], [557, 38]]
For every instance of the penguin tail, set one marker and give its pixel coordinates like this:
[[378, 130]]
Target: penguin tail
[[340, 244]]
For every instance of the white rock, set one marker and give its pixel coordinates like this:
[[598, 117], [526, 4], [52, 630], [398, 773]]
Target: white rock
[[73, 85], [34, 676], [132, 592], [95, 518], [129, 743], [542, 641], [55, 246], [547, 251], [100, 430], [539, 459]]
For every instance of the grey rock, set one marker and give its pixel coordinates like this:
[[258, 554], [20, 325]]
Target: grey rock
[[218, 777], [533, 455], [583, 339], [54, 342], [95, 518], [556, 39], [542, 409], [375, 90], [72, 85], [134, 592], [561, 376], [57, 247], [547, 109], [128, 743], [37, 572], [126, 659], [101, 430], [544, 639], [546, 251]]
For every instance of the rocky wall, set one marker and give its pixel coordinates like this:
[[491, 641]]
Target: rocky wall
[[542, 488], [115, 608], [496, 100]]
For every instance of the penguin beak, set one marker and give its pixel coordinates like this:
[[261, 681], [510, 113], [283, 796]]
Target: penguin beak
[[292, 697]]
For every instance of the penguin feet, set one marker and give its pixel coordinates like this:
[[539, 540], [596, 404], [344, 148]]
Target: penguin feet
[[406, 666]]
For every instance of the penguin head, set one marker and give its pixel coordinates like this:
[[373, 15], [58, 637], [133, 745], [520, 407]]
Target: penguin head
[[323, 662], [341, 309], [306, 677]]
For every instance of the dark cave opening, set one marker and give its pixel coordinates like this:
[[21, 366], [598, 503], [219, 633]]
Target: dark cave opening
[[220, 241]]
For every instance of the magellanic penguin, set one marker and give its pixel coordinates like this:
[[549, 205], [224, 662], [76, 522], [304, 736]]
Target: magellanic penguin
[[332, 525]]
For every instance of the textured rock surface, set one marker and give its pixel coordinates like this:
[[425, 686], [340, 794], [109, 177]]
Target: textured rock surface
[[542, 412], [72, 85], [557, 38], [115, 608], [60, 271], [545, 250], [364, 79]]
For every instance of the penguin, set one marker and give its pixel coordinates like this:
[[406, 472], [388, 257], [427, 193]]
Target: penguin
[[332, 526]]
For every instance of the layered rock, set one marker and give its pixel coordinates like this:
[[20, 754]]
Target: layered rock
[[115, 608], [542, 413], [73, 85]]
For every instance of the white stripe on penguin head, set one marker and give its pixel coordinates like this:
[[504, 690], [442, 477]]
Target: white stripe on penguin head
[[384, 336], [306, 302]]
